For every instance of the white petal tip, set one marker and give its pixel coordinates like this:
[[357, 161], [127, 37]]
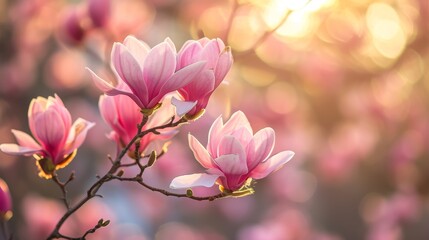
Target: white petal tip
[[182, 107], [193, 180]]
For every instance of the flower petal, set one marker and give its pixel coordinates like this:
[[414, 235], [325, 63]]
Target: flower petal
[[231, 164], [101, 84], [182, 107], [159, 66], [214, 135], [15, 149], [200, 153], [223, 65], [194, 180], [137, 48], [260, 147], [25, 140], [130, 72], [77, 135], [230, 145], [200, 86], [271, 165], [238, 119], [182, 77], [50, 131]]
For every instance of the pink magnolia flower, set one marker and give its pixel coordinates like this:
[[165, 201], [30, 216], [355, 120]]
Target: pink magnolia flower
[[233, 155], [149, 74], [219, 59], [57, 139], [123, 115], [5, 202]]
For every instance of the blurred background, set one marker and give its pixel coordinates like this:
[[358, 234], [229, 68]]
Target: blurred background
[[345, 85]]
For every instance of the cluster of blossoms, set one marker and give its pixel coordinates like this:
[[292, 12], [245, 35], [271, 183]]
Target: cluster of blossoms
[[155, 87]]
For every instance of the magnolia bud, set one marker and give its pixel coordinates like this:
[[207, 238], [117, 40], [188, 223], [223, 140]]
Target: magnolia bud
[[5, 202], [99, 11]]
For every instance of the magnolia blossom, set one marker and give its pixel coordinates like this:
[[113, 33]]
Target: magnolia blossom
[[123, 115], [57, 139], [5, 202], [219, 61], [149, 74], [233, 155]]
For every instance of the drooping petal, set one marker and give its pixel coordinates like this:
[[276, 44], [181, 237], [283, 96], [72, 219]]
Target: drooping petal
[[272, 164], [260, 147], [101, 84], [194, 180], [77, 134], [200, 153], [25, 140], [15, 149], [182, 107]]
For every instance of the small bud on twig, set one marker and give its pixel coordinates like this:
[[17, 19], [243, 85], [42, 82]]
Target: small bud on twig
[[189, 193], [152, 158]]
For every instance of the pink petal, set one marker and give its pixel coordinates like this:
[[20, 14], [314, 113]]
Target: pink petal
[[129, 70], [194, 180], [272, 164], [25, 140], [182, 77], [243, 135], [137, 48], [230, 145], [159, 65], [77, 134], [202, 85], [189, 53], [211, 52], [223, 66], [50, 130], [200, 153], [100, 83], [260, 147], [182, 107], [231, 164], [238, 119], [214, 135], [15, 149]]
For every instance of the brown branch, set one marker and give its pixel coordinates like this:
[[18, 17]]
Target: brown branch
[[116, 164]]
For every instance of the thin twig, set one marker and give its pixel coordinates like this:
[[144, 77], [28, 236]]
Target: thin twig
[[92, 192]]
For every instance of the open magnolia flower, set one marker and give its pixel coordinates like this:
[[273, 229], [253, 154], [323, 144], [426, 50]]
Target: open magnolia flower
[[123, 116], [148, 73], [196, 94], [57, 139], [233, 155]]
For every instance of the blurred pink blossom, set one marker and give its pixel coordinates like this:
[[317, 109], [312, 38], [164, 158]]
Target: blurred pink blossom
[[233, 155]]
